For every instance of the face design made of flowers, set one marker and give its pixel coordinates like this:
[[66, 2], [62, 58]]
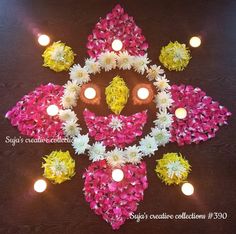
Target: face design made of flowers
[[127, 109]]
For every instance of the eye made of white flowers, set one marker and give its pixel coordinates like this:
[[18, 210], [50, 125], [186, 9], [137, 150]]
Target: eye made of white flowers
[[90, 94], [142, 94]]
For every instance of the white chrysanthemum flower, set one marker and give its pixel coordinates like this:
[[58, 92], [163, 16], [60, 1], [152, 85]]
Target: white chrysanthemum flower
[[161, 136], [115, 157], [162, 83], [140, 63], [115, 124], [58, 53], [79, 74], [163, 100], [148, 145], [164, 119], [97, 152], [71, 87], [71, 128], [175, 169], [133, 154], [80, 143], [67, 115], [92, 66], [154, 72], [107, 60], [124, 61], [58, 167], [68, 100]]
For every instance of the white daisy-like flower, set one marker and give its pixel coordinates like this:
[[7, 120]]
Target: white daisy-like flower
[[108, 60], [115, 157], [164, 119], [79, 74], [92, 66], [175, 169], [68, 100], [154, 72], [71, 87], [80, 143], [67, 115], [58, 53], [124, 60], [133, 154], [140, 63], [71, 128], [115, 124], [161, 136], [148, 145], [58, 167], [163, 100], [162, 83], [97, 152]]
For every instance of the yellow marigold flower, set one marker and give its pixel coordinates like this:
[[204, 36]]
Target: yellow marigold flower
[[59, 166], [117, 94], [175, 56], [172, 168], [58, 57]]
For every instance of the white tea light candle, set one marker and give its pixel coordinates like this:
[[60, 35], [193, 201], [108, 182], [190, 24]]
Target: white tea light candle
[[117, 45], [195, 41], [43, 40], [187, 189], [117, 175], [180, 113], [90, 93], [52, 110], [143, 93], [40, 186]]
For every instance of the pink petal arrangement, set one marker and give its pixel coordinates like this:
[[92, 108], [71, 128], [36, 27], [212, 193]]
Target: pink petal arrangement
[[204, 116], [132, 127], [30, 113], [114, 201], [116, 25]]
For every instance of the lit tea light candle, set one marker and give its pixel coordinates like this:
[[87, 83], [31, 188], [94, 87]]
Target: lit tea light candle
[[180, 113], [187, 189], [195, 41], [117, 175], [40, 186], [52, 110], [90, 93], [43, 40], [117, 45], [143, 93]]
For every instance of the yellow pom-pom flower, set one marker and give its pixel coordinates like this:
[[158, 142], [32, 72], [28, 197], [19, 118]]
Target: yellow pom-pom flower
[[172, 168], [58, 57], [59, 166], [117, 94], [175, 56]]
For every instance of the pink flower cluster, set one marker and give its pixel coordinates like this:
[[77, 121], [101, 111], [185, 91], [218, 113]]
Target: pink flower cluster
[[30, 113], [115, 201], [116, 25], [204, 116], [99, 128]]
